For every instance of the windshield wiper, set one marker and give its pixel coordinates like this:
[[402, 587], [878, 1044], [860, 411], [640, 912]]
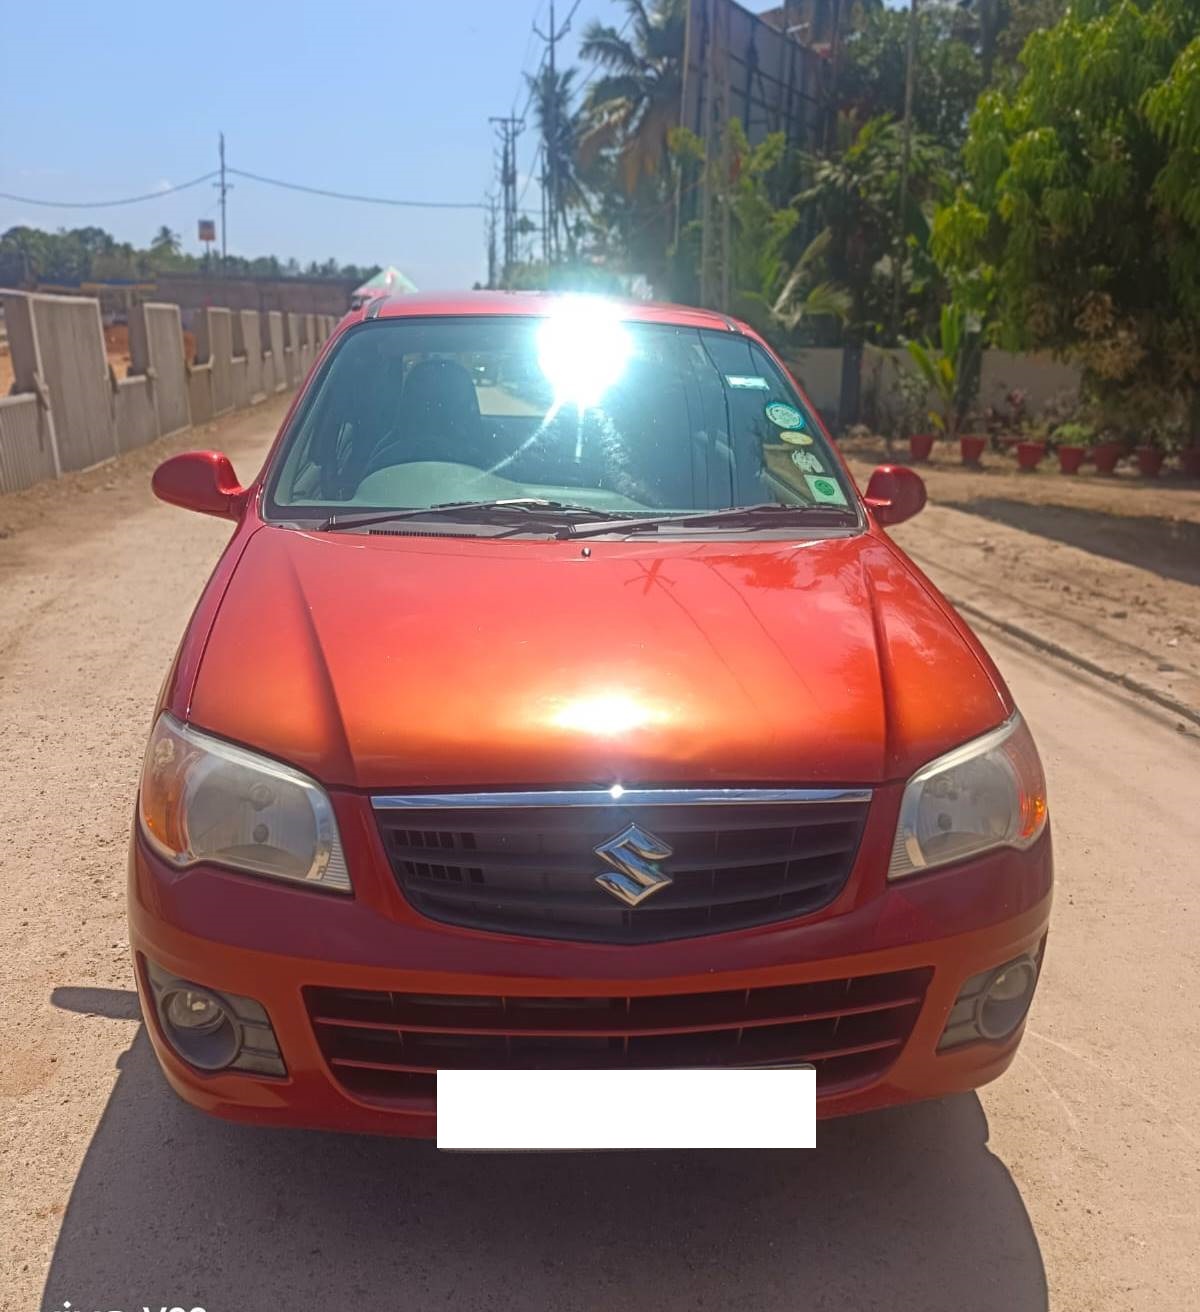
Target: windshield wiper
[[732, 516], [520, 505]]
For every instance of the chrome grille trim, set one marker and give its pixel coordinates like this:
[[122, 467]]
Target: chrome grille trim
[[620, 797]]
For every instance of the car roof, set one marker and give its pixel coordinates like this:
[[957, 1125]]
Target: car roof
[[424, 304]]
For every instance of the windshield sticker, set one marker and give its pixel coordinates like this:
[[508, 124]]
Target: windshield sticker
[[796, 438], [783, 415], [747, 380], [807, 462], [825, 490]]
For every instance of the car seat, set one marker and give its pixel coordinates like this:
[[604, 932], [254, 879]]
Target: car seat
[[438, 418]]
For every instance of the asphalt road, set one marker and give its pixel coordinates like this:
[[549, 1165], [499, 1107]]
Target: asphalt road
[[1073, 1183]]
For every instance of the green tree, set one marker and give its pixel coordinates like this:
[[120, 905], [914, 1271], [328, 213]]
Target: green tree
[[560, 129], [165, 242], [770, 287], [634, 106], [871, 72], [854, 196], [1081, 218], [23, 256]]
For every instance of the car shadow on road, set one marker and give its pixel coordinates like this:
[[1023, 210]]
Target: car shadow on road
[[1164, 545], [900, 1210]]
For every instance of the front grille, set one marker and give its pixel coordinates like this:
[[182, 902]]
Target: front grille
[[531, 869], [387, 1047]]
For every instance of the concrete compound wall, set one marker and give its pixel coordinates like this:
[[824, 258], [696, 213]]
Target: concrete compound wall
[[250, 345], [156, 351], [26, 451], [68, 411], [275, 342], [328, 296], [58, 352], [214, 345], [292, 347], [1039, 377], [200, 393]]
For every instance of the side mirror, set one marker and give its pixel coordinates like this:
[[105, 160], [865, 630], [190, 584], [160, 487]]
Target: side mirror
[[895, 493], [203, 481]]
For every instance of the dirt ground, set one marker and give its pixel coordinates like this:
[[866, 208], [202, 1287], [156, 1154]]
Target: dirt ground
[[1073, 1183], [1108, 567]]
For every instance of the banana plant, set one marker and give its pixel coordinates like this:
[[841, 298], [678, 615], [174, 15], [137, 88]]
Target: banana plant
[[950, 367]]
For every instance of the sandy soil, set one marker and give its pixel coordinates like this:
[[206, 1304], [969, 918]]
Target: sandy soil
[[1072, 1183], [1108, 567]]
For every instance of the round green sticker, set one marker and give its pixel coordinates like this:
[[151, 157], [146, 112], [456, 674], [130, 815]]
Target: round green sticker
[[783, 415]]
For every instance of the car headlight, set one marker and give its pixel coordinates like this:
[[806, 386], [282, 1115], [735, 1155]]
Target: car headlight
[[203, 799], [988, 793]]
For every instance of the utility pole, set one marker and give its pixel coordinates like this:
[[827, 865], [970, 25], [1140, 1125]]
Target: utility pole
[[726, 179], [509, 127], [707, 110], [835, 53], [550, 134], [223, 187], [491, 241], [905, 158]]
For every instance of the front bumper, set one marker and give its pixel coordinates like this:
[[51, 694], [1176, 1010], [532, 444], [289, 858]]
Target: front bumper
[[271, 942]]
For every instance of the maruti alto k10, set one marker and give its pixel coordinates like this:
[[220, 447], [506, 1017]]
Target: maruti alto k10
[[559, 702]]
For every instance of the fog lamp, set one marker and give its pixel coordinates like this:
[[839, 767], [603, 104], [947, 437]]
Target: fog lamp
[[992, 1004], [200, 1028], [213, 1031], [196, 1010], [1006, 998]]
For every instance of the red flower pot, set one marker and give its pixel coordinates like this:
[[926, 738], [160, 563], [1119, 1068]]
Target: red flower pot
[[1029, 455], [920, 445], [1149, 461], [1189, 461], [1106, 456], [1070, 458], [972, 449]]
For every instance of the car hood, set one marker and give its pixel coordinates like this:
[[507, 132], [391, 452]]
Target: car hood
[[419, 661]]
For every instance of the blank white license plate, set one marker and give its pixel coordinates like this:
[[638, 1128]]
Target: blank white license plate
[[515, 1110]]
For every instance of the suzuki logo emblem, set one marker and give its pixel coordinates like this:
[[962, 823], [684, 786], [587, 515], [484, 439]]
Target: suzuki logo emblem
[[634, 855]]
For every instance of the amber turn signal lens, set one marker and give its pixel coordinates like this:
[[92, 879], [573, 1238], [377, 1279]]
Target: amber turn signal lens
[[164, 774]]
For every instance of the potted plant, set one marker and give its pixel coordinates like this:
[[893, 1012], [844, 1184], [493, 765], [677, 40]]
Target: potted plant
[[1006, 421], [971, 447], [1149, 454], [1030, 451], [1031, 442], [949, 371], [914, 412], [1105, 455], [1071, 443]]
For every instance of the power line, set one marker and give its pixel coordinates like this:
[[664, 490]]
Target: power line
[[509, 128], [529, 177], [525, 60], [105, 204], [367, 200], [551, 136]]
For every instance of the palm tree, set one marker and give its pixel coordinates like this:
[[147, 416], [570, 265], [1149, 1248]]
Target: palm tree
[[552, 95], [165, 241], [636, 104]]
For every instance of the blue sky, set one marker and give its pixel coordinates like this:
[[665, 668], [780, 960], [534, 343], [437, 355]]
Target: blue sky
[[379, 98]]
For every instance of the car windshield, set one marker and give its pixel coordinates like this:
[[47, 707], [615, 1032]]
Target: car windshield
[[576, 408]]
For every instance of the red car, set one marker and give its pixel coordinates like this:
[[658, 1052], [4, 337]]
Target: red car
[[559, 702]]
